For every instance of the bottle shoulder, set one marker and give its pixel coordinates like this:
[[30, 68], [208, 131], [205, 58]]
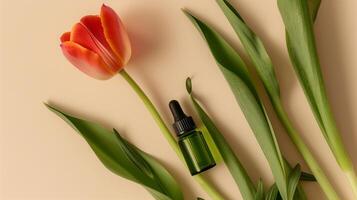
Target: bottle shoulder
[[189, 134]]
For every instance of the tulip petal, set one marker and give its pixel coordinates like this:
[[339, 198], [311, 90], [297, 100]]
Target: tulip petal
[[115, 33], [65, 36], [83, 36], [94, 24], [86, 60]]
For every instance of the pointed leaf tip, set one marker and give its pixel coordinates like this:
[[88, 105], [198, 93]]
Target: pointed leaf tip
[[115, 131], [273, 193], [51, 108], [227, 4], [189, 85], [307, 177], [293, 182], [185, 11], [188, 14], [259, 195], [45, 104]]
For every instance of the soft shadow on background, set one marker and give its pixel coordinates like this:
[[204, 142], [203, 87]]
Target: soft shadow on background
[[331, 42], [332, 48], [287, 80], [163, 42], [92, 118], [148, 36]]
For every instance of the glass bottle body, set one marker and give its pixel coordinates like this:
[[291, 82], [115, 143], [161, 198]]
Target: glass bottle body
[[196, 152]]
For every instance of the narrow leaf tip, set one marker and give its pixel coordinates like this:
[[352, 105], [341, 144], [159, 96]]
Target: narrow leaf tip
[[189, 85]]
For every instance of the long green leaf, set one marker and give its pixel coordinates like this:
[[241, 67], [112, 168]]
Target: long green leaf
[[264, 66], [233, 164], [254, 48], [244, 91], [124, 159], [211, 144], [298, 19]]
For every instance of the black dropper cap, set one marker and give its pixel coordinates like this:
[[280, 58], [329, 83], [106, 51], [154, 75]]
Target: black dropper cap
[[182, 123]]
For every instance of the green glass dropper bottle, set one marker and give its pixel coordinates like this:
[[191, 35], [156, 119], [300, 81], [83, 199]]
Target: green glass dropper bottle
[[191, 141]]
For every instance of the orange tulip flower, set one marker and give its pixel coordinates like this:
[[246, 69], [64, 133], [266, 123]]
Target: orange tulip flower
[[98, 45]]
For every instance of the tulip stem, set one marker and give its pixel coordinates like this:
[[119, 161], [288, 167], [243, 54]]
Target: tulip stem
[[207, 186]]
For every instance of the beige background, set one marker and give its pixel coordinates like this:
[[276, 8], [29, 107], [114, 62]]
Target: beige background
[[43, 158]]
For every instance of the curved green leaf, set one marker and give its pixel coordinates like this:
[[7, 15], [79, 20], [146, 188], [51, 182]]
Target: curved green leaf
[[299, 35], [254, 48], [211, 145], [236, 74], [124, 159], [233, 164], [298, 17], [264, 66]]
